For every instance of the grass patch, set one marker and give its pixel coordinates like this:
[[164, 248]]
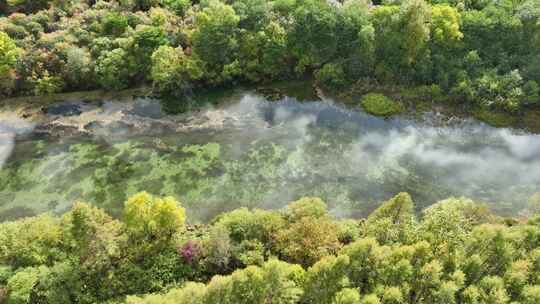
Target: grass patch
[[494, 118], [531, 120], [380, 105]]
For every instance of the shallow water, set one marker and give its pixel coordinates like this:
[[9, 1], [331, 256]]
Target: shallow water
[[247, 151]]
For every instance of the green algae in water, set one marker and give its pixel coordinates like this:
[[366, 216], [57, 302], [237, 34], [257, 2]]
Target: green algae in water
[[267, 154]]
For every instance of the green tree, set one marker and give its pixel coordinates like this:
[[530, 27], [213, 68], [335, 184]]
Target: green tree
[[114, 24], [313, 36], [393, 221], [263, 54], [215, 41], [172, 72], [146, 40], [325, 279], [114, 69], [312, 207], [153, 218], [8, 53], [347, 296], [31, 241], [21, 285]]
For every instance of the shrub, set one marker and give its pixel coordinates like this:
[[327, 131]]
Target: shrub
[[378, 104], [47, 84]]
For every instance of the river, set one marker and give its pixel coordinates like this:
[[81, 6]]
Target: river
[[241, 149]]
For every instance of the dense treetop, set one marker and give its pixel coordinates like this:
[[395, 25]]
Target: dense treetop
[[455, 251], [482, 52]]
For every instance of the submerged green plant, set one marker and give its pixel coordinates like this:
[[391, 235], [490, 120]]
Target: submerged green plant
[[378, 104]]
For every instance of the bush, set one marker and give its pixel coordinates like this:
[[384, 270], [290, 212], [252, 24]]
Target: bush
[[378, 104], [47, 84]]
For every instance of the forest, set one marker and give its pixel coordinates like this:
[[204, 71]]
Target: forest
[[480, 53], [455, 251]]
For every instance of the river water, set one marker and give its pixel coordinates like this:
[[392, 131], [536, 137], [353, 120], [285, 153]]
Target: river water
[[243, 150]]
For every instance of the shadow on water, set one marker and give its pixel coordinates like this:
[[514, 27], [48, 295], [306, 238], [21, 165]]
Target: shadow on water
[[258, 147]]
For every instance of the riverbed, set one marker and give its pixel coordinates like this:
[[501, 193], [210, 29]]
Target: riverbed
[[243, 148]]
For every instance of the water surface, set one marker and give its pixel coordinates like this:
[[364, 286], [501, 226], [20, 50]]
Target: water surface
[[244, 150]]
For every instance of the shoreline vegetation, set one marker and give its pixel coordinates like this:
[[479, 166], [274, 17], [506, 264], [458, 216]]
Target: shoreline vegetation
[[417, 99], [483, 55], [455, 251]]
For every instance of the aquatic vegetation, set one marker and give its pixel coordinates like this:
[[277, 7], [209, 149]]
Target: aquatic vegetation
[[496, 119], [267, 153], [378, 104]]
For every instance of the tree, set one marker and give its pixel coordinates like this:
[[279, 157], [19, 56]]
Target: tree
[[275, 282], [263, 54], [393, 221], [191, 293], [153, 218], [114, 24], [31, 242], [356, 40], [8, 54], [366, 257], [415, 16], [325, 279], [312, 207], [79, 70], [313, 37], [146, 40], [307, 240], [445, 44], [215, 41], [451, 221], [331, 76], [114, 69], [347, 296], [22, 284], [174, 73]]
